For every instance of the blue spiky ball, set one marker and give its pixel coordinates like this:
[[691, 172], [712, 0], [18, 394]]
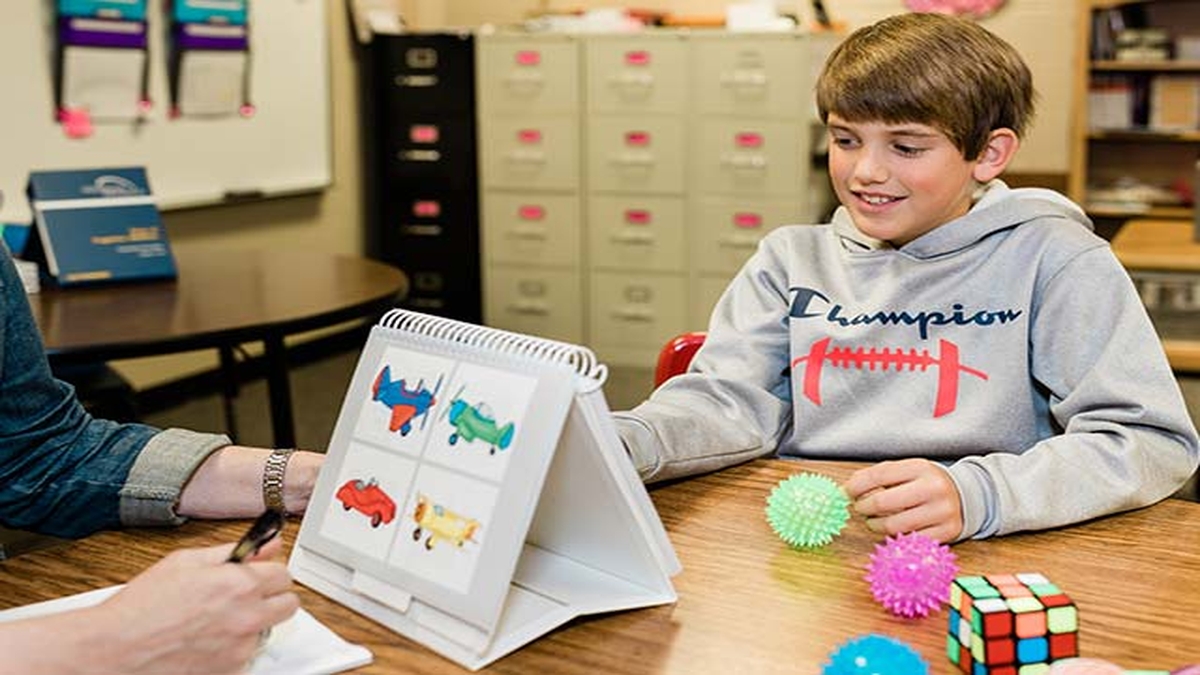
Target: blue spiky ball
[[807, 510], [875, 655]]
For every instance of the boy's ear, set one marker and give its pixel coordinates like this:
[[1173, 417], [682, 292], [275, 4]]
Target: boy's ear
[[1001, 146]]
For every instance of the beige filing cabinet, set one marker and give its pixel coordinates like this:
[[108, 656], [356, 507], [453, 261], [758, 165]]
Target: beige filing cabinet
[[636, 131], [689, 146], [529, 106], [753, 129]]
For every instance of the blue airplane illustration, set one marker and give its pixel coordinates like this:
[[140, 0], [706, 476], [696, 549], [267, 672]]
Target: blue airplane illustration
[[406, 404]]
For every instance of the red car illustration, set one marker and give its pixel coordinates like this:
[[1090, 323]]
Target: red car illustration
[[369, 499]]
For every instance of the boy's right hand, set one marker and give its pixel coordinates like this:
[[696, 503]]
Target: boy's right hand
[[193, 612], [907, 495]]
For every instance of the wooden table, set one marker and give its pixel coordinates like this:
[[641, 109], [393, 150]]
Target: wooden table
[[748, 603], [1163, 246], [220, 300]]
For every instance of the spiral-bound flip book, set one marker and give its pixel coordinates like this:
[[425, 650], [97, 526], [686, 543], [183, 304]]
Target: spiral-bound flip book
[[475, 493]]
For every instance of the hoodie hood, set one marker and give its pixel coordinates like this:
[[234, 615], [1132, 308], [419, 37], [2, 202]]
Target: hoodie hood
[[997, 207]]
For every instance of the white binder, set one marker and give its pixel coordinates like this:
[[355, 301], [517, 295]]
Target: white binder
[[476, 494]]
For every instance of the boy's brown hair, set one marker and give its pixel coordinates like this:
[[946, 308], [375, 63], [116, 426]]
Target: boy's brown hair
[[934, 69]]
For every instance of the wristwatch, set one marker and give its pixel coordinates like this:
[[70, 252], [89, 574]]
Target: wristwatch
[[272, 480]]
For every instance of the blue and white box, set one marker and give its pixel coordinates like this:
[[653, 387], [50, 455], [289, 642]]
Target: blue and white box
[[99, 225]]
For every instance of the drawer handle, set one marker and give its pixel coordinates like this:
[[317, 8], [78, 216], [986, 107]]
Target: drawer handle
[[738, 242], [744, 79], [526, 157], [524, 82], [634, 315], [529, 308], [637, 160], [528, 233], [637, 238], [745, 162], [632, 80]]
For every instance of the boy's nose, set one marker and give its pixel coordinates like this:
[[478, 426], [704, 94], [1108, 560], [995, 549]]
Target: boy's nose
[[870, 169]]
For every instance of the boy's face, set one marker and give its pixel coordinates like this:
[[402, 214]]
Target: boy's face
[[898, 181]]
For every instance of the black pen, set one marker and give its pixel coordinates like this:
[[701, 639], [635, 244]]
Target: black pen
[[265, 528]]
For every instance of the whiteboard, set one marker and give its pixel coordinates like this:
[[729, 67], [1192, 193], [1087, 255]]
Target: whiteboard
[[284, 148]]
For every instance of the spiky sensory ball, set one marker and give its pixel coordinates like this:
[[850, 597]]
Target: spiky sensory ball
[[807, 510], [910, 574], [875, 655]]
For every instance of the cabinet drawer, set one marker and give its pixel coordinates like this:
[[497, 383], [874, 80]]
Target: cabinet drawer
[[441, 281], [636, 233], [1173, 301], [429, 73], [537, 301], [639, 74], [431, 148], [752, 76], [430, 215], [529, 154], [727, 231], [753, 157], [637, 310], [531, 229], [523, 75], [636, 154]]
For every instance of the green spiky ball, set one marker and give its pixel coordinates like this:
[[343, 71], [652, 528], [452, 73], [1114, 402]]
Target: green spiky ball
[[807, 510]]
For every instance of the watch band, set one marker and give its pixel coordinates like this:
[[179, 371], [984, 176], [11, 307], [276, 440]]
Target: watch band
[[272, 480]]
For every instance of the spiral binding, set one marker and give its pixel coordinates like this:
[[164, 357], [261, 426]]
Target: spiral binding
[[494, 340]]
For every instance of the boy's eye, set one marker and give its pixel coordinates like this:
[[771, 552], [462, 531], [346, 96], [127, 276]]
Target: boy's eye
[[844, 142], [907, 150]]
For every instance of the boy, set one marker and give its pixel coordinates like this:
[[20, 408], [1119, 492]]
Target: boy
[[980, 340]]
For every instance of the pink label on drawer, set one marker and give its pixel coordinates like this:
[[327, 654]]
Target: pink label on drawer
[[637, 216], [638, 57], [531, 212], [747, 220], [423, 133], [637, 138], [748, 139], [528, 57], [529, 136], [427, 208]]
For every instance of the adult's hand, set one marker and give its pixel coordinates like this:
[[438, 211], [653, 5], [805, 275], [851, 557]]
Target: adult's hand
[[193, 612]]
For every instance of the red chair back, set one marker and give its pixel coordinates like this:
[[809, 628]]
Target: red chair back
[[675, 356]]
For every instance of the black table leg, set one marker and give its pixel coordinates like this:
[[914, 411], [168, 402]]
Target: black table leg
[[280, 391]]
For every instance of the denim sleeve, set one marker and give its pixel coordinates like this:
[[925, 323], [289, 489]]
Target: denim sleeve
[[61, 470]]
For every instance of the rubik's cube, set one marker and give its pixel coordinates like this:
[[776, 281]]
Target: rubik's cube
[[1010, 624]]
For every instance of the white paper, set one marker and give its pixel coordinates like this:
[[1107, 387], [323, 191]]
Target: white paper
[[108, 83], [212, 82], [299, 646]]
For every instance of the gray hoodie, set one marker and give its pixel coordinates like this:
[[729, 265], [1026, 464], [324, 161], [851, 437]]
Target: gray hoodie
[[1008, 344]]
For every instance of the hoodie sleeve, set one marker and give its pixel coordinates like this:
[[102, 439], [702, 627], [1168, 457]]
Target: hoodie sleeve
[[734, 403], [1127, 439]]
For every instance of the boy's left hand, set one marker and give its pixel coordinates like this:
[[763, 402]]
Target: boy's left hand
[[907, 495]]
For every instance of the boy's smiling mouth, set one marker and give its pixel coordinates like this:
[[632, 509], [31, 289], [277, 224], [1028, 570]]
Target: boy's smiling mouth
[[876, 200]]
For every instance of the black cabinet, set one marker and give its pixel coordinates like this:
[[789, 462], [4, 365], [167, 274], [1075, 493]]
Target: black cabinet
[[421, 177]]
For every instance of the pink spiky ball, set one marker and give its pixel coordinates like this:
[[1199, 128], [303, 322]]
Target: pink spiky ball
[[910, 574]]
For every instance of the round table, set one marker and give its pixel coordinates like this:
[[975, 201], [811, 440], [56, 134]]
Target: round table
[[221, 299]]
